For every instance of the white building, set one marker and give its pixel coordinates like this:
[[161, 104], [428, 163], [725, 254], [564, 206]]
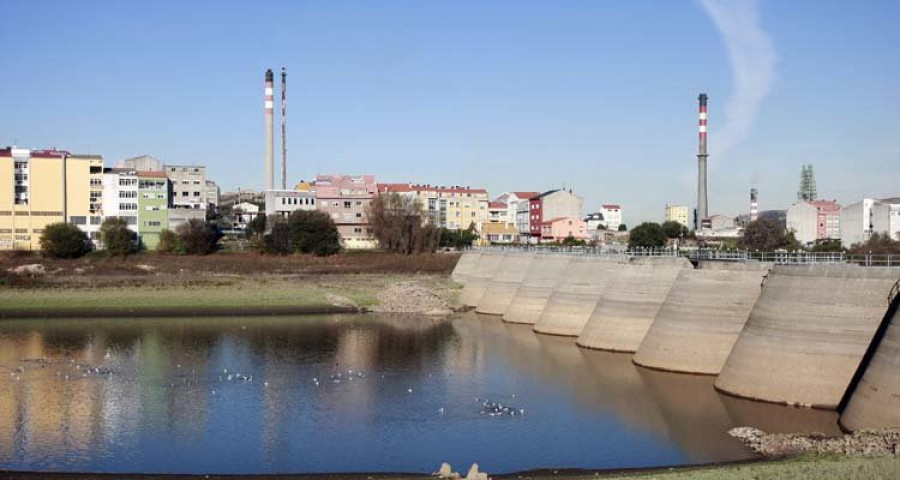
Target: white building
[[120, 197], [243, 214], [801, 219], [189, 188], [857, 222], [612, 215], [282, 203], [867, 216]]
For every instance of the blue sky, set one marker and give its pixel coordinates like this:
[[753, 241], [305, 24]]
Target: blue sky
[[598, 96]]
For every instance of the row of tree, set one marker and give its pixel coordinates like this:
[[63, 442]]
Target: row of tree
[[64, 240]]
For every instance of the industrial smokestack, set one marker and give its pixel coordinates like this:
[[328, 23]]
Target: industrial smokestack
[[754, 205], [702, 205], [283, 129], [270, 131]]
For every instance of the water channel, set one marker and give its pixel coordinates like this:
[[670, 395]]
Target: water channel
[[349, 394]]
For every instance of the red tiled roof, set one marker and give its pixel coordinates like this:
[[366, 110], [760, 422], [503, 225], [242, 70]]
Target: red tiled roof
[[612, 205], [497, 205], [526, 195]]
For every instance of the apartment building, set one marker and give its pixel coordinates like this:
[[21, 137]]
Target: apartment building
[[453, 208], [153, 207], [189, 188], [41, 187], [345, 198], [612, 215], [859, 220], [551, 205], [560, 228], [678, 213], [120, 196]]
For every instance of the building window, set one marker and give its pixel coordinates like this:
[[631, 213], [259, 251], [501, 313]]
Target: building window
[[78, 220], [347, 204], [184, 194]]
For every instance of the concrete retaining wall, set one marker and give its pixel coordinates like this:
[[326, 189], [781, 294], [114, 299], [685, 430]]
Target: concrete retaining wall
[[807, 333], [465, 266], [630, 302], [572, 301], [876, 401], [503, 285], [545, 272], [702, 317], [477, 281]]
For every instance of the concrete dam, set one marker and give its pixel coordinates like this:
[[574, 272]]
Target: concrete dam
[[790, 334]]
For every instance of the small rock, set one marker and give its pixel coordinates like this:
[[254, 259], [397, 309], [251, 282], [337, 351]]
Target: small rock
[[33, 269]]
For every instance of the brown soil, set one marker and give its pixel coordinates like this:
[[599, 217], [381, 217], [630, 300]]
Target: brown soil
[[223, 263]]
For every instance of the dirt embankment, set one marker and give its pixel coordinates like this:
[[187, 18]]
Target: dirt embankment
[[225, 284]]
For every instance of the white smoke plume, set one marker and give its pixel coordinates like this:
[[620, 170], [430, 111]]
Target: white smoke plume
[[753, 62]]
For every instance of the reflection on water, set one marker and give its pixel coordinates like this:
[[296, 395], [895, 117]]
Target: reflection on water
[[348, 393]]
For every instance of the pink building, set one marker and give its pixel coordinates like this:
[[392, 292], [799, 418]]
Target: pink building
[[345, 198], [828, 219], [561, 227]]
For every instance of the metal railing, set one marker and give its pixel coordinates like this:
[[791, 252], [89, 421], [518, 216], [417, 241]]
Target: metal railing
[[695, 255]]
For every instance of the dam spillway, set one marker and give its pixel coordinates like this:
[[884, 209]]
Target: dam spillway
[[807, 334], [532, 295], [484, 268], [875, 402], [575, 297], [503, 285], [702, 317], [629, 304]]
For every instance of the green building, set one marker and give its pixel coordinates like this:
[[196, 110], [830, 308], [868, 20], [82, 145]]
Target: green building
[[153, 206]]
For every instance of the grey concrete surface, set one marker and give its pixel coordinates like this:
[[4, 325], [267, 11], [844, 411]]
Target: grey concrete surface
[[807, 333], [503, 285], [465, 266], [875, 402], [630, 303], [702, 317], [477, 281], [545, 272], [575, 297]]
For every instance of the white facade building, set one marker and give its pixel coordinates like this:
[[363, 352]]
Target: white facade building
[[282, 203], [857, 222], [801, 219], [243, 214], [612, 215], [120, 197]]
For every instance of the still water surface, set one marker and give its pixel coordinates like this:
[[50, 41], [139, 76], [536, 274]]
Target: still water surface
[[276, 395]]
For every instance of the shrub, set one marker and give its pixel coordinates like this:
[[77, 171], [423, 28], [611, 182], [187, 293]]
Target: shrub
[[280, 240], [169, 242], [117, 239], [647, 235], [674, 229], [571, 241], [63, 240], [257, 226], [880, 243], [458, 239], [313, 231], [198, 237], [767, 235]]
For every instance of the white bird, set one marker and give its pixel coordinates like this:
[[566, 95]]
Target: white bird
[[409, 390], [265, 384], [441, 410]]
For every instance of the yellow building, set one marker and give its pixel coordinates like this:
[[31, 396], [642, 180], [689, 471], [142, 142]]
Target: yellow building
[[677, 213], [40, 187], [453, 208]]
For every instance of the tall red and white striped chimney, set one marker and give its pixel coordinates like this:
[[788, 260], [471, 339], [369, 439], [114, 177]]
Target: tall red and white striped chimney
[[702, 204], [270, 131]]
